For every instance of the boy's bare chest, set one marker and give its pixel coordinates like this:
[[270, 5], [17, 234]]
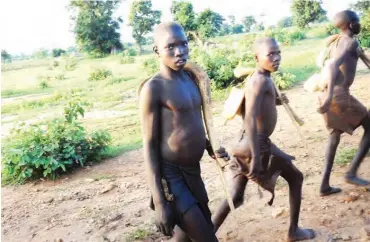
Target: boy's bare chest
[[183, 96]]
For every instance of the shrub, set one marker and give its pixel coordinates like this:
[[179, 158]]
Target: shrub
[[70, 64], [116, 80], [55, 63], [50, 149], [60, 77], [151, 65], [283, 80], [218, 63], [284, 36], [364, 36], [43, 84], [99, 74], [330, 29], [127, 60], [130, 52]]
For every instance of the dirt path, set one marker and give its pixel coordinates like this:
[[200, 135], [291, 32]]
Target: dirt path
[[109, 201]]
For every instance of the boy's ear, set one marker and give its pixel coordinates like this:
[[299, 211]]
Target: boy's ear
[[155, 50]]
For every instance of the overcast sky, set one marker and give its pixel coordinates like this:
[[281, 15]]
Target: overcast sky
[[27, 25]]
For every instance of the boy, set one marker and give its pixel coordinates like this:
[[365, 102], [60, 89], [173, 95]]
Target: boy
[[255, 157], [174, 141], [342, 112]]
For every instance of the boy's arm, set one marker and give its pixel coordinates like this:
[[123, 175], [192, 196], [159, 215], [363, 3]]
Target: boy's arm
[[252, 111], [149, 115], [333, 70]]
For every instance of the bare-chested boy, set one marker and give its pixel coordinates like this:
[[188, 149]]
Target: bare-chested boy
[[342, 112], [174, 141], [255, 157]]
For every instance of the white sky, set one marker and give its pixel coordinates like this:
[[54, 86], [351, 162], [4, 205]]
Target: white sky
[[27, 25]]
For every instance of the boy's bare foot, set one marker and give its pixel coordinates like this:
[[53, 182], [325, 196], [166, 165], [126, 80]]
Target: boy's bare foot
[[300, 234], [330, 190], [352, 179]]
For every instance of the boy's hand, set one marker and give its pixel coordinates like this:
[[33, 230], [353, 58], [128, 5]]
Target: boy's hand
[[255, 169], [284, 99], [164, 219], [221, 153], [324, 108]]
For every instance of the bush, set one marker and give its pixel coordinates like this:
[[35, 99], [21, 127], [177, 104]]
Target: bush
[[331, 30], [364, 36], [127, 60], [151, 65], [130, 52], [117, 80], [99, 74], [71, 64], [48, 150], [43, 84], [283, 80], [218, 63], [284, 36], [59, 77]]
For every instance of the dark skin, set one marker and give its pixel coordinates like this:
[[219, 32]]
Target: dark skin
[[341, 74], [172, 125], [260, 116]]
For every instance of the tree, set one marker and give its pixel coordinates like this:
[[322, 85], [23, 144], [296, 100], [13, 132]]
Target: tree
[[40, 53], [5, 56], [231, 19], [225, 29], [95, 28], [306, 11], [142, 20], [285, 22], [237, 29], [248, 22], [361, 6], [260, 27], [183, 14], [57, 52], [208, 24]]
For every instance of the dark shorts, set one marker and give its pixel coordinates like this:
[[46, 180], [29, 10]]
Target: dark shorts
[[187, 186], [272, 164]]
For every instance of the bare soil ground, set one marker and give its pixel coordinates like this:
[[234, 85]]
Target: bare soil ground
[[109, 201]]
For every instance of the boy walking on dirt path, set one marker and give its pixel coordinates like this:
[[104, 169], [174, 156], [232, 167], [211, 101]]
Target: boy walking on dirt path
[[255, 157], [342, 112], [174, 141]]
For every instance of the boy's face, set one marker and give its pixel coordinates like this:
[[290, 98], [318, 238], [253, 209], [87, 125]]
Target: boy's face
[[172, 48], [268, 56]]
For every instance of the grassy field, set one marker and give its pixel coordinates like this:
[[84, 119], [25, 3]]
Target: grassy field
[[26, 97]]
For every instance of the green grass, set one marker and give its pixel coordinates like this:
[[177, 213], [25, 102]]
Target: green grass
[[344, 156], [118, 92], [138, 234]]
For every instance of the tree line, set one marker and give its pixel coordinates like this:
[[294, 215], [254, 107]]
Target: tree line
[[96, 27]]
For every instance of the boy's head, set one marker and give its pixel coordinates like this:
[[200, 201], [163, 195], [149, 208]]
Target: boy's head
[[171, 45], [267, 54], [347, 20]]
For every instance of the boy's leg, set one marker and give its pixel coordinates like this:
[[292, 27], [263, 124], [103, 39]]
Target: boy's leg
[[237, 188], [194, 227], [295, 180], [331, 149], [351, 176]]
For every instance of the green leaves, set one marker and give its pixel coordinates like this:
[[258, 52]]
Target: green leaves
[[142, 20], [48, 150], [307, 11]]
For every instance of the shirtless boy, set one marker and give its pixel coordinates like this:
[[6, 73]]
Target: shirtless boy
[[254, 156], [342, 112], [174, 141]]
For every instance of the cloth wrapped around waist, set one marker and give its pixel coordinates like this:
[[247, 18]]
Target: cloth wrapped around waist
[[270, 165], [345, 112]]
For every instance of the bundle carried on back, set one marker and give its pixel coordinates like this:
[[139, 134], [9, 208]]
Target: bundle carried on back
[[318, 81]]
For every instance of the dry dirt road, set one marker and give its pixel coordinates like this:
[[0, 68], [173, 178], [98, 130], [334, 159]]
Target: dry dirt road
[[109, 201]]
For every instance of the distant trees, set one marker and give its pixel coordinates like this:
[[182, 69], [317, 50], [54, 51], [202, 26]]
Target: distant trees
[[57, 52], [248, 23], [285, 22], [94, 26], [5, 56], [142, 19], [307, 11]]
